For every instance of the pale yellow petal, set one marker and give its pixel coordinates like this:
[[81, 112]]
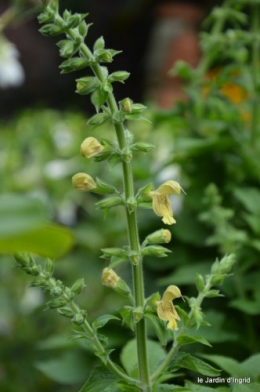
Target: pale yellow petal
[[172, 324], [162, 205], [171, 293], [166, 311], [169, 188]]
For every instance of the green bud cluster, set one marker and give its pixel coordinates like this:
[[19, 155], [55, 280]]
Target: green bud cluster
[[63, 296]]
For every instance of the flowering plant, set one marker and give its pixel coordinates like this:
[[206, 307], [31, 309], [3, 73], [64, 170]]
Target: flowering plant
[[145, 364]]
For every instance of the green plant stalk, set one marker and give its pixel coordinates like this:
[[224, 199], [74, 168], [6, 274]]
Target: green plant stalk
[[137, 269], [176, 345], [255, 69]]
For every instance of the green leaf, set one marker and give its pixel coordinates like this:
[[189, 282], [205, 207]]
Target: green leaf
[[98, 98], [247, 306], [98, 119], [129, 356], [249, 197], [169, 388], [99, 379], [122, 388], [251, 387], [159, 327], [252, 366], [69, 368], [197, 365], [49, 240], [109, 252], [186, 339], [249, 368], [99, 44], [117, 260], [19, 214], [127, 316], [136, 117], [103, 320]]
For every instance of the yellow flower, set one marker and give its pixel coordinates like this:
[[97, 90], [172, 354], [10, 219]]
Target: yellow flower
[[161, 203], [165, 308], [109, 278], [90, 147], [83, 182]]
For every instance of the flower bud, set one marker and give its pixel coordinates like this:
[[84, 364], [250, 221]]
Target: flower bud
[[90, 147], [110, 278], [162, 236], [83, 182], [126, 105], [155, 251]]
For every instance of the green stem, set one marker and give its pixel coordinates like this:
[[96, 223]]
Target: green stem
[[133, 237], [255, 69], [137, 267]]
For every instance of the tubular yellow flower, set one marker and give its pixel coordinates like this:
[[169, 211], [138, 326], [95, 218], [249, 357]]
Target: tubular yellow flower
[[109, 278], [83, 182], [161, 203], [90, 147], [165, 308]]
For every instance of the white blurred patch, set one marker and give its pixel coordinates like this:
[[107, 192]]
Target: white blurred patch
[[33, 297], [59, 168], [11, 70]]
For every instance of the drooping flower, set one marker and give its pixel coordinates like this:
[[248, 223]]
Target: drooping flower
[[83, 182], [161, 202], [90, 147], [165, 308]]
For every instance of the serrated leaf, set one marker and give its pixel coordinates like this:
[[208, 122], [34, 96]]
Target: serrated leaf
[[186, 339], [197, 365], [99, 379], [103, 320]]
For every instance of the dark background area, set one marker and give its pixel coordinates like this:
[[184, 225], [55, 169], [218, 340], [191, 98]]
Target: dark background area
[[125, 24]]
